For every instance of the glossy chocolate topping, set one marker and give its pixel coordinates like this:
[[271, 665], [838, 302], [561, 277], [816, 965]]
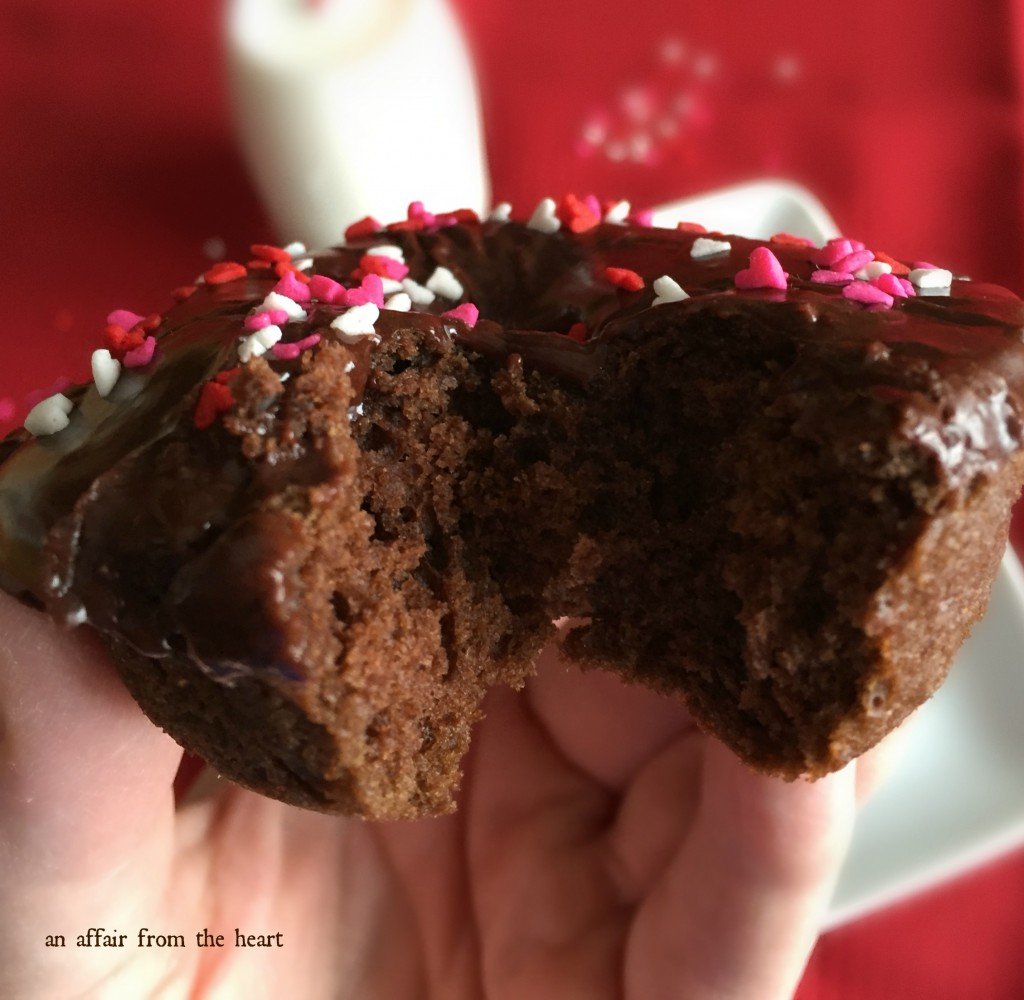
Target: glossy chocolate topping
[[951, 365]]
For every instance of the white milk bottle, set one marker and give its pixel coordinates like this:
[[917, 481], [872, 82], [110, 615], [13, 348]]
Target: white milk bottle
[[346, 108]]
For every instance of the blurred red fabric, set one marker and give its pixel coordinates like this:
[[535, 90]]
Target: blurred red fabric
[[119, 166]]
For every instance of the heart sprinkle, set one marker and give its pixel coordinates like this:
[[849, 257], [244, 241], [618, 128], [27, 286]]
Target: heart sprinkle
[[764, 271]]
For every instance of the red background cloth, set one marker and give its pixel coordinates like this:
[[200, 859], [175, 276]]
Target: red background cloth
[[119, 165]]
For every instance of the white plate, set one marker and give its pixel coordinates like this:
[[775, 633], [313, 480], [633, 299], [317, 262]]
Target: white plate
[[956, 797]]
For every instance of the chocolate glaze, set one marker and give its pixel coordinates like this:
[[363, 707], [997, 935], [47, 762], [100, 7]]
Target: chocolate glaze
[[950, 367]]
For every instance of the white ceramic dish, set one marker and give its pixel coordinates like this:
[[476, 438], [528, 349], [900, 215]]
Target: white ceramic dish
[[956, 797]]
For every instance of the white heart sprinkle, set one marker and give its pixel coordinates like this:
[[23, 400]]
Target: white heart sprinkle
[[667, 289], [703, 247], [618, 213], [268, 336], [357, 321], [258, 343], [442, 282], [931, 277], [49, 416], [419, 294], [873, 270], [303, 263], [544, 218], [390, 285], [106, 370], [275, 300], [501, 212], [387, 250], [399, 303], [295, 249]]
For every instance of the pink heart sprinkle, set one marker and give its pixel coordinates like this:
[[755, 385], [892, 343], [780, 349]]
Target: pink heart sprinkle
[[467, 312], [291, 287], [265, 317], [765, 271], [868, 294], [7, 409], [593, 205], [447, 219], [643, 217], [326, 289], [352, 297], [289, 352], [124, 318], [890, 284], [374, 288], [922, 265], [258, 320], [285, 352], [371, 289], [854, 261], [832, 251], [831, 277], [141, 355], [907, 287], [307, 342], [420, 214]]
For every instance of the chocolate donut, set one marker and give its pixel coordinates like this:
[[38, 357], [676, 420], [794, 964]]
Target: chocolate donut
[[320, 505]]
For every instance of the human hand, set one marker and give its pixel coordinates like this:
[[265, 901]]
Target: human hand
[[603, 848]]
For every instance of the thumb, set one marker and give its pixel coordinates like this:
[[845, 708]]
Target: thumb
[[86, 803]]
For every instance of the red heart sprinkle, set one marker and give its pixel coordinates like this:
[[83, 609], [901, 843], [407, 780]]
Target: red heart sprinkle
[[120, 341], [623, 277], [403, 224], [214, 399], [898, 267], [577, 215], [223, 272], [364, 227], [270, 253], [789, 240], [281, 268], [385, 267]]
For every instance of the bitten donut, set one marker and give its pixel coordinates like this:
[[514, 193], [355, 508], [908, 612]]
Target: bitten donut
[[325, 501]]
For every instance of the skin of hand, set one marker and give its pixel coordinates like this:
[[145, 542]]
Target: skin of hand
[[603, 848]]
